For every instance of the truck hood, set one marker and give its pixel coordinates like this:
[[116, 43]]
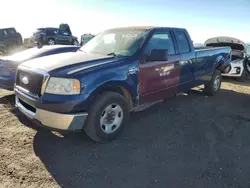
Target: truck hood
[[234, 43], [53, 62]]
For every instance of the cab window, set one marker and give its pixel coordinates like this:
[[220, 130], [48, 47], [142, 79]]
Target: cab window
[[182, 42], [160, 41]]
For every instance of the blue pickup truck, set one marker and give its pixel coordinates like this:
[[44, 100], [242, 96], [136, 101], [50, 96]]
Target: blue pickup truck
[[118, 71]]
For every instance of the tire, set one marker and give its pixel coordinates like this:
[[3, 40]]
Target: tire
[[213, 87], [51, 42], [75, 43], [99, 112]]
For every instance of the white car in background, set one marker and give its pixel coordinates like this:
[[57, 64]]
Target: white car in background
[[240, 51]]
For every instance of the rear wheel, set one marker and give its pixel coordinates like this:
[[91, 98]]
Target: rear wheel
[[107, 117], [214, 84], [75, 43], [51, 42]]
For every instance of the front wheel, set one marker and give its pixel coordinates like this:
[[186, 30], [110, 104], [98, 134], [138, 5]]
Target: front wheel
[[213, 87], [107, 116]]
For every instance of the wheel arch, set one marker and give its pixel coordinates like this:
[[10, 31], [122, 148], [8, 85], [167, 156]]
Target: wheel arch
[[119, 87]]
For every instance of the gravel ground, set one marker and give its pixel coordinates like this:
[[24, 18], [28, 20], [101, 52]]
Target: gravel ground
[[188, 141]]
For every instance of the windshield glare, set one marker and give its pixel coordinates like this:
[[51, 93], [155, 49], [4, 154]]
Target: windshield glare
[[121, 42]]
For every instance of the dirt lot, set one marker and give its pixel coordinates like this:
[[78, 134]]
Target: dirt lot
[[188, 141]]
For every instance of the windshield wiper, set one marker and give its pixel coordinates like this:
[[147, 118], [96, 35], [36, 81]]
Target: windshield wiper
[[113, 54]]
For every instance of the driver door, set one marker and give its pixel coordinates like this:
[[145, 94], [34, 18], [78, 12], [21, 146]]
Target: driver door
[[159, 79]]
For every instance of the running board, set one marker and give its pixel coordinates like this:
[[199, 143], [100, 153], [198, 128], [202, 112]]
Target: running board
[[145, 106]]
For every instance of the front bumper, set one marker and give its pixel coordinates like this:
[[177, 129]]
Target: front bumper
[[236, 69], [58, 121]]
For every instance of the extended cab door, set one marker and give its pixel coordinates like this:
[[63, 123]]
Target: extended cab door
[[187, 59], [159, 79]]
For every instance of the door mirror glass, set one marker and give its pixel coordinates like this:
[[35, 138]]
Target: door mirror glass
[[158, 55]]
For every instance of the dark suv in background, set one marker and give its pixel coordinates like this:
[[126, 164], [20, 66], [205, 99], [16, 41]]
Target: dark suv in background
[[52, 36], [9, 39]]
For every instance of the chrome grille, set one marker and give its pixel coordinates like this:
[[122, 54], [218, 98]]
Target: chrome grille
[[30, 81]]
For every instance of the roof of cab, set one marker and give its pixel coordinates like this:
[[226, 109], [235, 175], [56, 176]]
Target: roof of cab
[[7, 28]]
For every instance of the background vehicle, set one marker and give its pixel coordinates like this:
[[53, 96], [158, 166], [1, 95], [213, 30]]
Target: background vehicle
[[9, 39], [246, 64], [118, 71], [9, 64], [86, 38], [239, 52], [52, 36]]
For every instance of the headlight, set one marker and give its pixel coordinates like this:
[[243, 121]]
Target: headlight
[[63, 86], [4, 72]]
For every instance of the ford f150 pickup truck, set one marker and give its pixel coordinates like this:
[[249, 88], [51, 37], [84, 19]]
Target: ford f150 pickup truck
[[118, 71]]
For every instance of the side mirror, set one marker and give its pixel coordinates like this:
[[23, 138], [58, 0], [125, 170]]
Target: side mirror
[[158, 55]]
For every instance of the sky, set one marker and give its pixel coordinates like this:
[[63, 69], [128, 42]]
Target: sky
[[202, 18]]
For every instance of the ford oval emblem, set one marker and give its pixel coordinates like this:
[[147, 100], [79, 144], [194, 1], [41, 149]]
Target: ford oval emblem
[[25, 80]]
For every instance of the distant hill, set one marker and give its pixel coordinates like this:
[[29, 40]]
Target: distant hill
[[199, 45]]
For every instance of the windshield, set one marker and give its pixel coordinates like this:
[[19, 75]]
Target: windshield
[[121, 42]]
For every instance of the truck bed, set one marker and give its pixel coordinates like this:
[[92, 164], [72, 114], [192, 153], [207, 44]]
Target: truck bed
[[212, 51], [218, 56]]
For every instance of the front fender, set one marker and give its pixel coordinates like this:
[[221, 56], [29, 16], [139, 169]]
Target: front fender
[[113, 80], [117, 79]]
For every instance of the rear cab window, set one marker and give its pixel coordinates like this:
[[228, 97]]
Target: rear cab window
[[160, 40], [11, 32], [52, 31], [182, 42]]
